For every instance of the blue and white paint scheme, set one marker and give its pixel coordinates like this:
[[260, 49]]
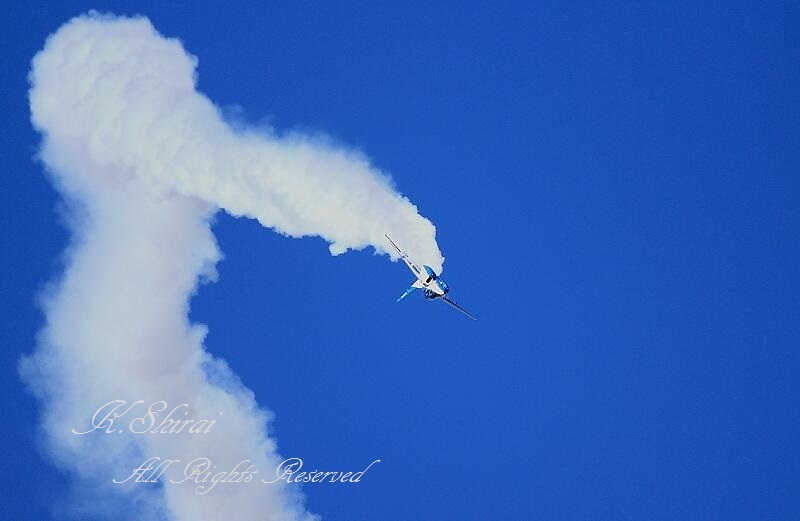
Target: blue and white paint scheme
[[434, 286]]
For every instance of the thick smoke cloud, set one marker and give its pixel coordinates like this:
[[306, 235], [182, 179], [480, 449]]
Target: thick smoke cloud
[[127, 96], [143, 162]]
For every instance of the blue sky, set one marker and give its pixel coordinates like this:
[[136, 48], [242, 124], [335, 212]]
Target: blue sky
[[615, 190]]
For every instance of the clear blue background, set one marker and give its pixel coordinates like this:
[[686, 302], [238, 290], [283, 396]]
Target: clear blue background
[[615, 189]]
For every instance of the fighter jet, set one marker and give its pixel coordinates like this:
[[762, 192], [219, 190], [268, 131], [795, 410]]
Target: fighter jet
[[435, 288]]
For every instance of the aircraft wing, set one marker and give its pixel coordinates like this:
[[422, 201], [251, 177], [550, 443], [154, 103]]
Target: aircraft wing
[[458, 307], [413, 267], [407, 293]]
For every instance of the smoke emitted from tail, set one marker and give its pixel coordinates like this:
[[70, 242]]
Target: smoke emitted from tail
[[143, 162], [126, 96]]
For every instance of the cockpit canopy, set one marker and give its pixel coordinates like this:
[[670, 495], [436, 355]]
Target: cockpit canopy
[[431, 275]]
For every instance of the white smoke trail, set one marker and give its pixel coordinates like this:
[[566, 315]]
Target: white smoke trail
[[128, 96], [143, 161]]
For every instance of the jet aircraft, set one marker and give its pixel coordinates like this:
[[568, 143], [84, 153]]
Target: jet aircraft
[[435, 287]]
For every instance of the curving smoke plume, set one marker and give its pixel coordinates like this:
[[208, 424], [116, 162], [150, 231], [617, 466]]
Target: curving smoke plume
[[143, 161]]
